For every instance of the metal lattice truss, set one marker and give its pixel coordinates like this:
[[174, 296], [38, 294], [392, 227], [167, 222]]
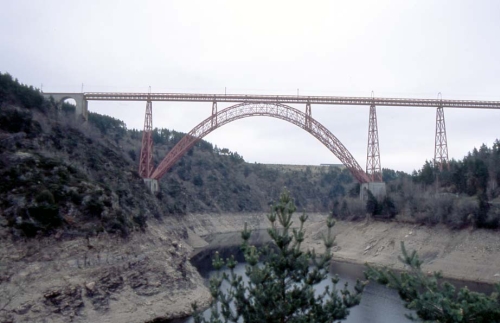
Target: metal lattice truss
[[373, 166], [146, 159], [290, 99], [441, 143], [274, 110]]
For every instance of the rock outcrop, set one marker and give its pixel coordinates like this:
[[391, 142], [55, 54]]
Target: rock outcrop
[[101, 279]]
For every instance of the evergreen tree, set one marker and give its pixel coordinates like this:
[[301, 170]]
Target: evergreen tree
[[281, 280], [433, 301], [387, 208], [371, 203], [481, 215]]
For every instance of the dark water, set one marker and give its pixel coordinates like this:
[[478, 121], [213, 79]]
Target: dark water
[[378, 305]]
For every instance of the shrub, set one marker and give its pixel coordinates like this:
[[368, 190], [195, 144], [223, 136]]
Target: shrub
[[349, 209], [386, 209], [493, 218], [45, 196], [46, 215], [434, 301], [140, 220], [281, 280], [15, 120], [197, 180], [132, 154], [94, 207], [76, 198]]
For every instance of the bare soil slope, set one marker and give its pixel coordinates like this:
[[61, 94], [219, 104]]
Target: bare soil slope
[[463, 254], [100, 279]]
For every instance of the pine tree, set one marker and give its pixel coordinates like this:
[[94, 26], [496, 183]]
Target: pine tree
[[433, 301], [371, 204], [281, 279]]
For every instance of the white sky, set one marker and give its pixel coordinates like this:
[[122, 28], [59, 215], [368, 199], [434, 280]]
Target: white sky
[[395, 48]]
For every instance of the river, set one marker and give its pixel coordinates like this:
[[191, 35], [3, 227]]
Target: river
[[378, 304]]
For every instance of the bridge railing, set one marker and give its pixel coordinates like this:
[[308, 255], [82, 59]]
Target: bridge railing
[[291, 99]]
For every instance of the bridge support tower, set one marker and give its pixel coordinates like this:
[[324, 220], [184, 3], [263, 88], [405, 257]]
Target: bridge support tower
[[441, 142], [378, 190], [308, 116], [373, 166], [152, 184], [146, 165]]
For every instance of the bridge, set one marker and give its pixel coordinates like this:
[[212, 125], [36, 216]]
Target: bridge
[[276, 106]]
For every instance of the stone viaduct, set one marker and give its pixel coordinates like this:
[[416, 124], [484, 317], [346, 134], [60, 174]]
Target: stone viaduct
[[81, 103]]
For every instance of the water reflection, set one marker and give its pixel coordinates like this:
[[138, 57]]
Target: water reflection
[[378, 304]]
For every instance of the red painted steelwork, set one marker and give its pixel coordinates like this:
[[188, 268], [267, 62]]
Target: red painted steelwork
[[214, 114], [274, 110], [308, 115], [146, 159], [373, 166], [441, 143], [289, 99]]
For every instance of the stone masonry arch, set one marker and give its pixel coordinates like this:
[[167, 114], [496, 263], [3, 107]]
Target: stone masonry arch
[[81, 102]]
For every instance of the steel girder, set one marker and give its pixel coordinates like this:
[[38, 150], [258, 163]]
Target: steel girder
[[290, 99], [373, 165], [440, 142], [274, 110], [146, 159]]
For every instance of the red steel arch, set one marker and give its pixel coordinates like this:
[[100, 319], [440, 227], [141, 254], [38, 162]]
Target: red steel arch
[[274, 110]]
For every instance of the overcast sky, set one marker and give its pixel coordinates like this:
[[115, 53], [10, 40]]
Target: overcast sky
[[345, 48]]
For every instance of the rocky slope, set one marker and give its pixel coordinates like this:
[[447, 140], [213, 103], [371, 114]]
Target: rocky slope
[[471, 254], [104, 278], [148, 276], [81, 238]]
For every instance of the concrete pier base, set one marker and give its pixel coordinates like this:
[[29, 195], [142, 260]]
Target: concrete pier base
[[377, 188], [152, 184]]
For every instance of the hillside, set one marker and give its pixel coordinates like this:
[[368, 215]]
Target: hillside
[[210, 179], [81, 177], [83, 240], [61, 175], [57, 174], [463, 194]]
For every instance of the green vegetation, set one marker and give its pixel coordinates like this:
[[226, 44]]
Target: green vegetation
[[91, 171], [281, 280], [465, 193], [15, 93], [62, 177], [433, 301], [109, 126], [279, 284], [213, 179]]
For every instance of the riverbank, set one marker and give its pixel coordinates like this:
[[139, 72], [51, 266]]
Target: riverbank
[[105, 278], [469, 254], [147, 276]]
